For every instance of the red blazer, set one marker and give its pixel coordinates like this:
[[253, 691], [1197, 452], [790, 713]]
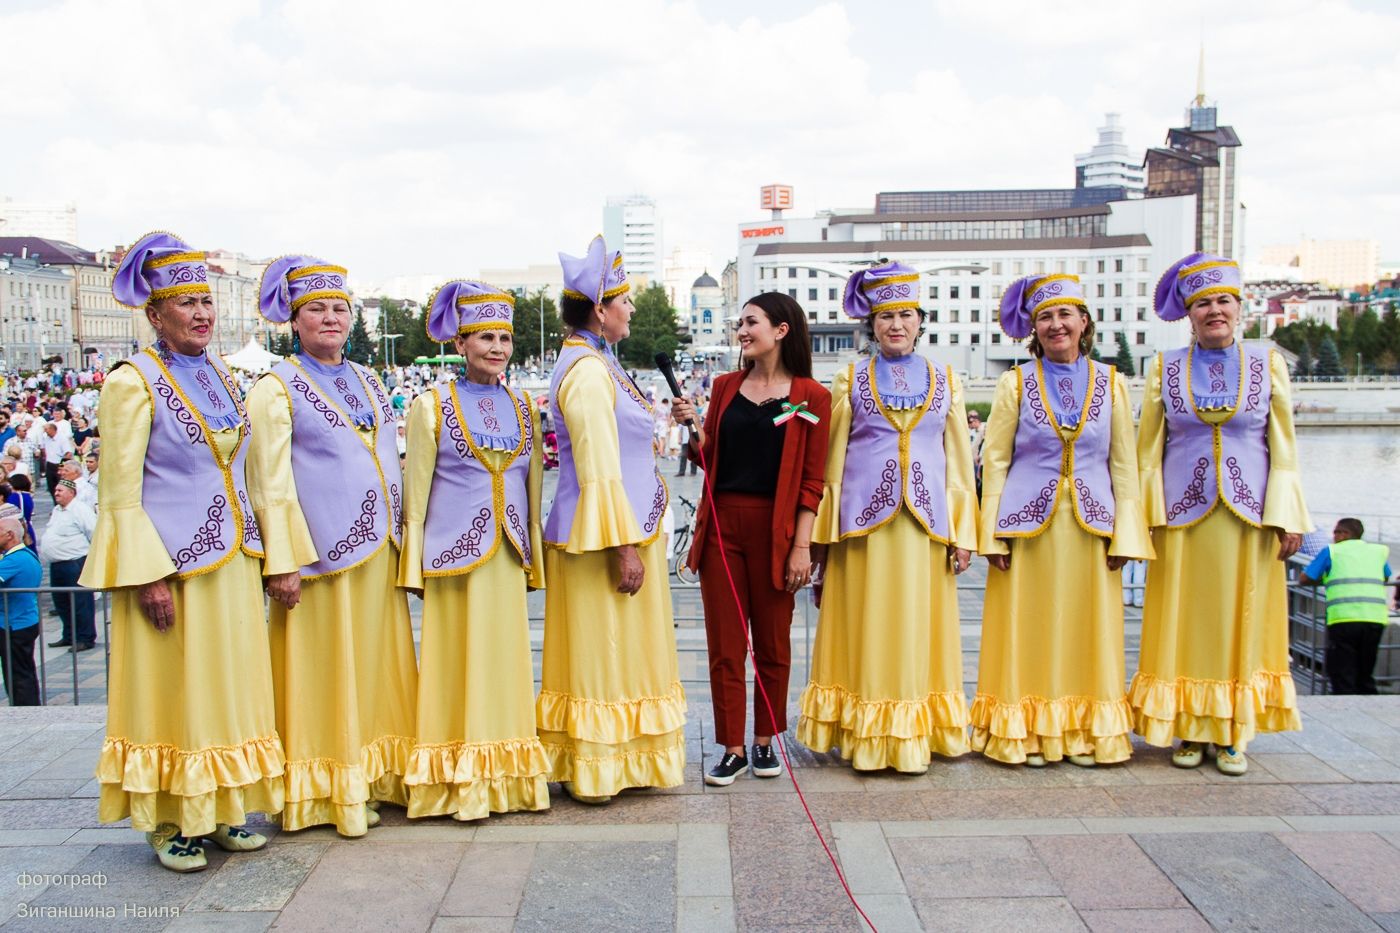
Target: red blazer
[[800, 477]]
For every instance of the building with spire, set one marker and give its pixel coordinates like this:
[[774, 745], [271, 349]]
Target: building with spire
[[1201, 159], [1110, 164]]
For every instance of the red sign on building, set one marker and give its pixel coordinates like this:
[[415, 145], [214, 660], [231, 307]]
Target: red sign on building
[[775, 197]]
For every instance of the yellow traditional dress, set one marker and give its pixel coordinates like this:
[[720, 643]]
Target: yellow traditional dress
[[477, 751], [886, 686], [611, 709], [342, 659], [1051, 677], [191, 729], [1214, 660]]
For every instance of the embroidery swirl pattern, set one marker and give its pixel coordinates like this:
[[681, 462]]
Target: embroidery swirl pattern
[[182, 414], [188, 275], [883, 496], [1066, 385], [1199, 280], [1032, 389], [1172, 377], [361, 530], [1243, 494], [251, 535], [1216, 372], [940, 386], [397, 505], [487, 407], [1090, 508], [1100, 392], [922, 500], [469, 544], [207, 538], [385, 409], [202, 377], [1195, 493], [863, 395], [317, 403], [454, 427], [658, 505], [1033, 512], [1256, 383], [517, 526], [352, 401]]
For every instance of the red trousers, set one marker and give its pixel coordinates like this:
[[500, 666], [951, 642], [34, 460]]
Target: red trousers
[[746, 524]]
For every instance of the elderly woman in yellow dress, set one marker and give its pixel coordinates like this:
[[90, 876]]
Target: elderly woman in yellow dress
[[1060, 517], [471, 549], [324, 478], [611, 708], [191, 744], [897, 522], [1219, 462]]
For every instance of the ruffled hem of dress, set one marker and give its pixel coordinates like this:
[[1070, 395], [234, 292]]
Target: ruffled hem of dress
[[834, 708], [1224, 712], [477, 800], [323, 790], [608, 774], [610, 723], [875, 753], [473, 762], [196, 790], [603, 518], [1081, 725]]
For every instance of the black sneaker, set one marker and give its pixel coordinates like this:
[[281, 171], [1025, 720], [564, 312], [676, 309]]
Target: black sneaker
[[61, 643], [729, 767], [765, 762]]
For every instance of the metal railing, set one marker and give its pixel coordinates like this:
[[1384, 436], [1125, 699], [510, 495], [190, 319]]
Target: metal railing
[[67, 662], [1307, 637]]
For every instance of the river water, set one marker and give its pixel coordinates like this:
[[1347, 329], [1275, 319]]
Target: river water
[[1353, 471]]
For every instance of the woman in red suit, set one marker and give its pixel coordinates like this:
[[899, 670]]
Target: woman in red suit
[[764, 441]]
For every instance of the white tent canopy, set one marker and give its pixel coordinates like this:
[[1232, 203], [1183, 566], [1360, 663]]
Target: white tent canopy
[[253, 358]]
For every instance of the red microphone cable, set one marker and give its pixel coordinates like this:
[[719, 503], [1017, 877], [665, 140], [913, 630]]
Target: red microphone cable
[[758, 683]]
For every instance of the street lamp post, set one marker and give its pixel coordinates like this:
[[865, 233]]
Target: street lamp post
[[541, 331]]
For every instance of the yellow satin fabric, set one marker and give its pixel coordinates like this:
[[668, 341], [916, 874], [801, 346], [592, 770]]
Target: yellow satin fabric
[[477, 751], [886, 684], [420, 463], [272, 487], [1051, 670], [1214, 660], [191, 731]]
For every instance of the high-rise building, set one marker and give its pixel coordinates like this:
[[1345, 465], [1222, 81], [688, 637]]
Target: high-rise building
[[50, 220], [1339, 263], [1201, 159], [632, 224], [1110, 163]]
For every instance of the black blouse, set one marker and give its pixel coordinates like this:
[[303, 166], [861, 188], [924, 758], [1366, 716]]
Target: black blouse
[[751, 447]]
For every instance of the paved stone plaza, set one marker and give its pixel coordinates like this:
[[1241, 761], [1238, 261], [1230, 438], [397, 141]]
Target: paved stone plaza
[[1308, 840]]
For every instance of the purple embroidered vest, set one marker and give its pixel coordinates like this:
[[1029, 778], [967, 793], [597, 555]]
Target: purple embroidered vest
[[886, 466], [1204, 463], [1046, 462], [472, 505], [351, 493], [197, 501], [646, 491]]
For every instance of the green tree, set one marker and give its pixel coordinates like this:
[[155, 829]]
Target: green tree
[[1366, 337], [654, 329], [359, 346], [527, 327], [1329, 361], [409, 322], [1304, 367], [1124, 359], [282, 343]]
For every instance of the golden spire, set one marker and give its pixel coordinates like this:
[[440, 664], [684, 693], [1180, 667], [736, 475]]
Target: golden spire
[[1201, 76]]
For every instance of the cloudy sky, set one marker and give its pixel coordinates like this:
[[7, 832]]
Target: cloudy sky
[[438, 138]]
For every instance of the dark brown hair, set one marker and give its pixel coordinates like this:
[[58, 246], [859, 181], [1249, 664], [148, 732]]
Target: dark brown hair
[[1086, 339], [576, 312], [794, 350], [1351, 526]]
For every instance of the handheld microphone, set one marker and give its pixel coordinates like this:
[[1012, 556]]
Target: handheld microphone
[[663, 363]]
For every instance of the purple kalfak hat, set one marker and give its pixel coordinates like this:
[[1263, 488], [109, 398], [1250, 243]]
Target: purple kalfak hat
[[159, 265], [883, 288], [1196, 276], [596, 276], [463, 306], [291, 281], [1026, 296]]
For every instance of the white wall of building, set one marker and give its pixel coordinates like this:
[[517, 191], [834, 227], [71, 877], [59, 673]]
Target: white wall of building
[[36, 315], [51, 220], [1339, 263], [632, 224], [1111, 162]]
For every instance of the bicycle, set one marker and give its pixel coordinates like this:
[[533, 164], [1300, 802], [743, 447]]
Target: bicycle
[[680, 546]]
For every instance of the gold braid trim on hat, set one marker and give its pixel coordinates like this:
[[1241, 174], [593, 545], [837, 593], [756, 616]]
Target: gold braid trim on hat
[[570, 293], [1184, 271], [615, 291], [312, 270], [486, 297], [172, 291], [314, 296], [485, 325], [872, 283], [1213, 290], [173, 258]]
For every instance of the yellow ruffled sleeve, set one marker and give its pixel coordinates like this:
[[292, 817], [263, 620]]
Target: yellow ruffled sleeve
[[997, 448], [1284, 505], [1151, 445], [126, 548], [1130, 537], [962, 481], [603, 518], [420, 461], [534, 492], [827, 528], [287, 543]]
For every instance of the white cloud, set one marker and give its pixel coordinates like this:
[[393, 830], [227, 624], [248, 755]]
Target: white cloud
[[437, 138]]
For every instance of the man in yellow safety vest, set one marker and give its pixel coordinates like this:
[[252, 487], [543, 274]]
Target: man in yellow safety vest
[[1355, 574]]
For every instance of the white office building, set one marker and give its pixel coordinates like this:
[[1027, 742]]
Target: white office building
[[50, 220], [968, 255], [1111, 163], [632, 224]]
